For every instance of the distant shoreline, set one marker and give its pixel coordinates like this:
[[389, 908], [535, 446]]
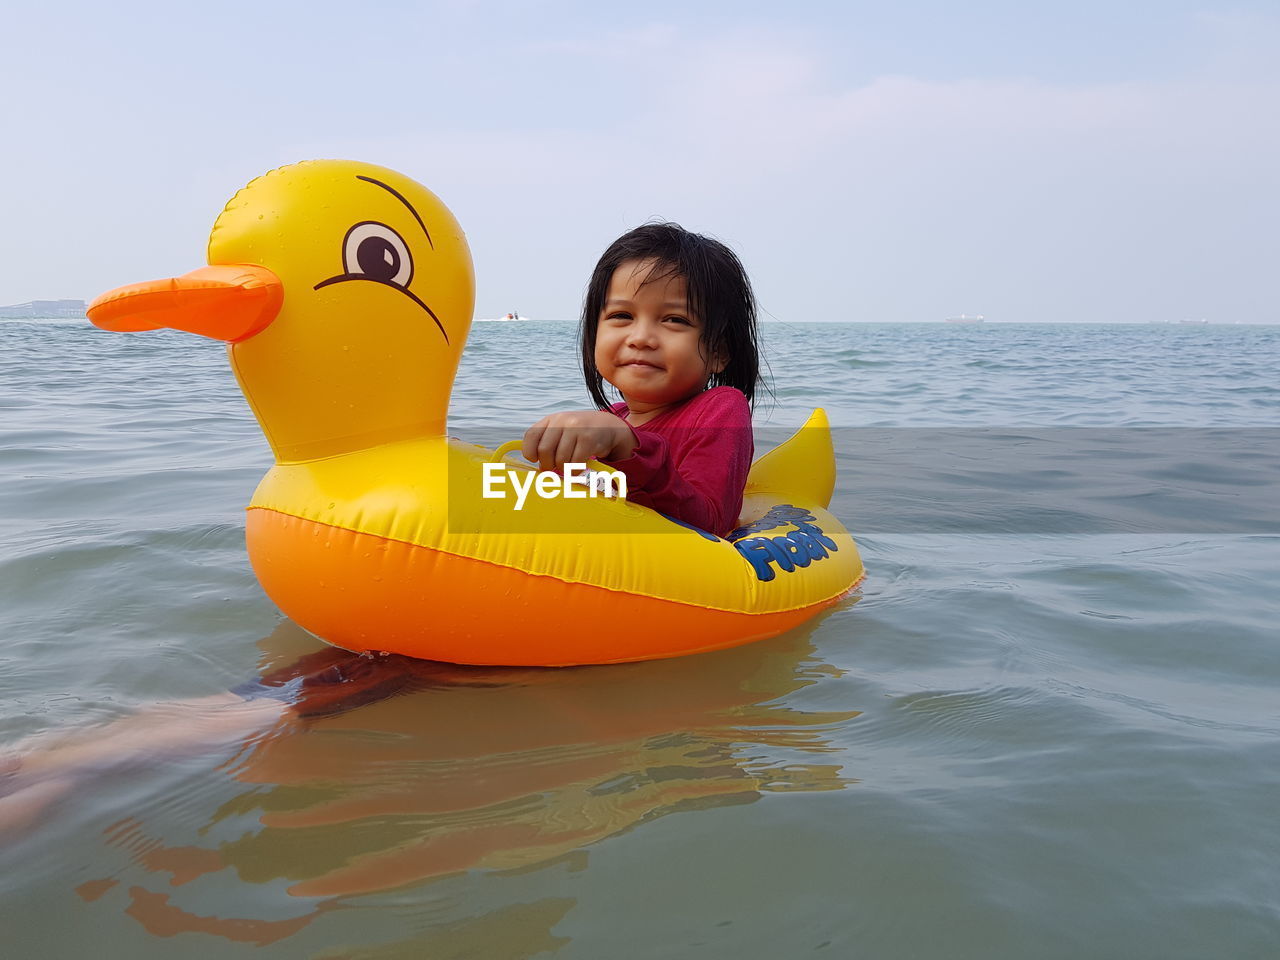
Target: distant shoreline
[[44, 310]]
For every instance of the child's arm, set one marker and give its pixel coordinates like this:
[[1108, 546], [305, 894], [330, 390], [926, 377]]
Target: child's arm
[[576, 437]]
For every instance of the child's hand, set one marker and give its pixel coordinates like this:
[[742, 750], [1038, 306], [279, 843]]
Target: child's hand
[[576, 437]]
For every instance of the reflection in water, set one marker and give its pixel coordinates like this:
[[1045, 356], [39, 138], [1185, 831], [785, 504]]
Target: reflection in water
[[388, 772]]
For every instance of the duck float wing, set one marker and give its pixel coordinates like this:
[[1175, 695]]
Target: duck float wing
[[371, 530]]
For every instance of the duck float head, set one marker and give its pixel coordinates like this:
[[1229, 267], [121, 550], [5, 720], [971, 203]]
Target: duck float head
[[345, 294]]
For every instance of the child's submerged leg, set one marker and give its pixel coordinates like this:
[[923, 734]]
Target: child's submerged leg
[[38, 771], [34, 773]]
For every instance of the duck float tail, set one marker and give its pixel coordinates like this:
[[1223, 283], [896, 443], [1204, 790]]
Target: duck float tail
[[802, 468], [344, 292]]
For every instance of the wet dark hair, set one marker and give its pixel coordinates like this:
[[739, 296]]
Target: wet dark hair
[[719, 296]]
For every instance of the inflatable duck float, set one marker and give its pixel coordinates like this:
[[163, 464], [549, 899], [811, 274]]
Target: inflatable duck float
[[345, 292]]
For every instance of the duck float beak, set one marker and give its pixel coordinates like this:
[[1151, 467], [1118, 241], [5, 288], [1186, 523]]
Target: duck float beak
[[230, 302]]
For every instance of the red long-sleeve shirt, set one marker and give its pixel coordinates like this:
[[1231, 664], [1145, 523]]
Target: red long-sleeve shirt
[[691, 463]]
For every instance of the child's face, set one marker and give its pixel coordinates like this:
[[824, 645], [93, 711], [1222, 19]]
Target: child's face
[[648, 342]]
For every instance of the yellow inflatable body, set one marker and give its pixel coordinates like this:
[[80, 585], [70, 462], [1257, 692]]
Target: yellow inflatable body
[[345, 293]]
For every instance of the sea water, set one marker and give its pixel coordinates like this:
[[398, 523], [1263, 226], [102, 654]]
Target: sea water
[[1045, 726]]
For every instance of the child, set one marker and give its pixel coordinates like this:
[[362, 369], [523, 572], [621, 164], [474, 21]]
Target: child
[[669, 320]]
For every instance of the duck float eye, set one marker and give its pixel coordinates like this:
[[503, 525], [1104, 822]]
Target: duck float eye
[[375, 251]]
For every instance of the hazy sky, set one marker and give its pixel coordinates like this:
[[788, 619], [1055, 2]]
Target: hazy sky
[[869, 161]]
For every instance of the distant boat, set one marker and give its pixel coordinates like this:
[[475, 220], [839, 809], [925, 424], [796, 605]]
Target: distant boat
[[1201, 320], [507, 318], [965, 318]]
